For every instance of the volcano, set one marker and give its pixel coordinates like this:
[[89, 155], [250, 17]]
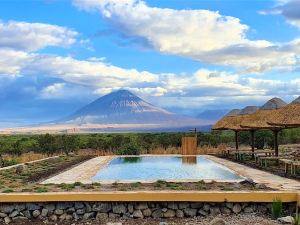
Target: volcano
[[123, 107]]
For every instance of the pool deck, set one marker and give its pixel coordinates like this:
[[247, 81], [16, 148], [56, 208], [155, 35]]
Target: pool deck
[[83, 172], [88, 169], [259, 176]]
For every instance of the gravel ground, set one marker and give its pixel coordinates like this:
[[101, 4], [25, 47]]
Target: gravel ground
[[244, 219]]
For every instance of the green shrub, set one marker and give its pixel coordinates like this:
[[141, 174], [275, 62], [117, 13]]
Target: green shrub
[[9, 162], [276, 208], [130, 149], [9, 190], [136, 185], [41, 190], [296, 220]]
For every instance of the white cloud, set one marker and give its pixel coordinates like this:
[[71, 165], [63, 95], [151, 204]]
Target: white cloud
[[202, 35], [25, 36], [53, 91]]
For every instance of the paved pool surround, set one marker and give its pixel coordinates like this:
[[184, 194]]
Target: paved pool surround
[[101, 211], [85, 171]]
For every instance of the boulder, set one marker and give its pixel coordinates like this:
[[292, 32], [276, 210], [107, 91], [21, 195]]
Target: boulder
[[59, 212], [236, 208], [36, 213], [215, 211], [147, 212], [44, 212], [202, 212], [206, 207], [138, 214], [179, 213], [190, 212], [286, 219], [13, 214], [89, 215], [141, 205], [7, 220], [119, 209], [157, 213], [6, 208], [102, 207], [170, 213], [101, 216]]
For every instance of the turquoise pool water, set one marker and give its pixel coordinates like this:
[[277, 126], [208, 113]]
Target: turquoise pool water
[[163, 168]]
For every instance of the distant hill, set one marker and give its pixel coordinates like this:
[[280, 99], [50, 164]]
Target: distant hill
[[123, 107], [212, 115]]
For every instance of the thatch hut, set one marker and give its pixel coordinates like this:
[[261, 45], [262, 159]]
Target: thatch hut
[[232, 121], [259, 120], [288, 116]]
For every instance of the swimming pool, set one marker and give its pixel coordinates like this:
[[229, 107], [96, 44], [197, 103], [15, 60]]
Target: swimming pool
[[151, 168]]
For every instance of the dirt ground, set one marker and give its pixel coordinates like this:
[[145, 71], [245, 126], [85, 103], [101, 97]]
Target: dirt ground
[[244, 219]]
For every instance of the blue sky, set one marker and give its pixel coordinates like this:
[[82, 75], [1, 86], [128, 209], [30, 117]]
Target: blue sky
[[186, 56]]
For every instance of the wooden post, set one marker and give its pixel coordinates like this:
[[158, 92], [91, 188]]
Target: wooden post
[[252, 142], [276, 141], [236, 140], [189, 146]]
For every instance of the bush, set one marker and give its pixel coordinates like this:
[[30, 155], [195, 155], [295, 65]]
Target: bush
[[276, 208], [296, 220], [11, 162], [130, 149]]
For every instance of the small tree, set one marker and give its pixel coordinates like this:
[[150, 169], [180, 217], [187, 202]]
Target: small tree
[[47, 144], [130, 149], [3, 150], [69, 143]]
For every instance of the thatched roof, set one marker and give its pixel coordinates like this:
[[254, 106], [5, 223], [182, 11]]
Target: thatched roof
[[288, 116], [233, 120], [259, 119]]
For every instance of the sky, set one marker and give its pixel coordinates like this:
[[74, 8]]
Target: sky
[[185, 56]]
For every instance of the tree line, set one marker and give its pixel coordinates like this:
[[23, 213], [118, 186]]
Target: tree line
[[126, 143]]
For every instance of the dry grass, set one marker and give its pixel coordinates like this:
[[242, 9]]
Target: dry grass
[[26, 157], [158, 151]]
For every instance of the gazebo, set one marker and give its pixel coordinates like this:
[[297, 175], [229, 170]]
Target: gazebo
[[259, 120], [232, 121], [288, 116]]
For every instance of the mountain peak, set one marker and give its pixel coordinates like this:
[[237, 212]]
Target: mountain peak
[[124, 107]]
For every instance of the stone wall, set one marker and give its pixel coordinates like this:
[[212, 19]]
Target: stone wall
[[103, 210]]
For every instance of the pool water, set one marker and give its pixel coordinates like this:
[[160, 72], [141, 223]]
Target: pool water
[[164, 168]]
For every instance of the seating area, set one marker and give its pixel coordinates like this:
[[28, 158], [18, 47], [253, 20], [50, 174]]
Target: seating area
[[274, 115], [287, 162]]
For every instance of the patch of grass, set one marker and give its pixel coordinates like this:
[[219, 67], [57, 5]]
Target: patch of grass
[[122, 189], [174, 186], [296, 220], [26, 190], [136, 185], [41, 190], [201, 185], [9, 190], [160, 183], [67, 187], [276, 208], [226, 188], [78, 184]]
